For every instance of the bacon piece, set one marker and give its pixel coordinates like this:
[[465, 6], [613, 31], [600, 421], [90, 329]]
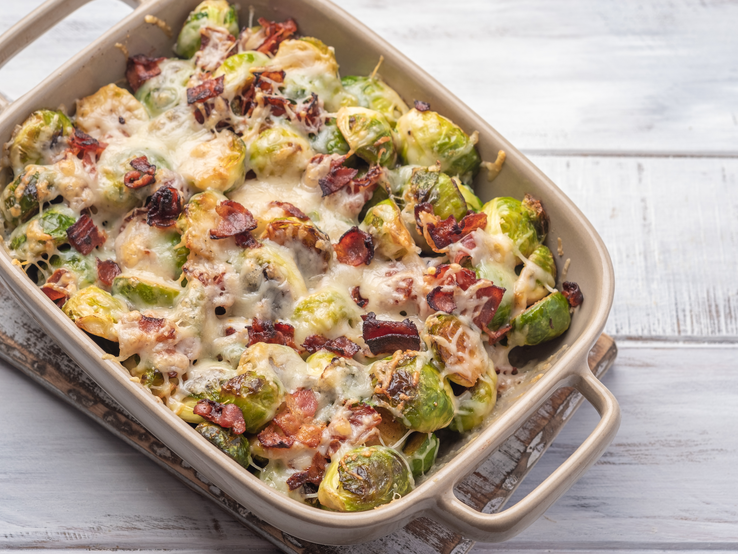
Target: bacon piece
[[441, 300], [278, 104], [367, 182], [207, 90], [422, 106], [164, 207], [541, 220], [85, 147], [338, 177], [228, 416], [263, 330], [264, 80], [356, 296], [107, 270], [143, 173], [342, 346], [384, 337], [309, 115], [275, 33], [273, 437], [302, 402], [215, 45], [140, 68], [84, 235], [461, 257], [57, 296], [494, 296], [290, 209], [439, 233], [496, 336], [355, 247], [313, 474], [572, 293], [151, 324], [234, 220]]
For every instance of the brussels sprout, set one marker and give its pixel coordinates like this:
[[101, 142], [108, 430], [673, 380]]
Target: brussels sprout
[[210, 13], [185, 409], [311, 247], [151, 249], [278, 151], [96, 311], [257, 391], [438, 189], [473, 202], [399, 179], [217, 163], [420, 452], [195, 223], [475, 403], [458, 346], [427, 137], [110, 111], [20, 199], [146, 292], [543, 321], [503, 276], [509, 217], [380, 194], [168, 89], [42, 233], [375, 94], [190, 312], [369, 135], [538, 216], [329, 140], [38, 140], [536, 277], [364, 478], [83, 267], [114, 164], [153, 380], [414, 391], [277, 363], [273, 263], [236, 446], [237, 73], [326, 312], [391, 238]]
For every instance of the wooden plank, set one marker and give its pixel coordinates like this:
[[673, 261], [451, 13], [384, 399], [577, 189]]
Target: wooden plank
[[572, 76], [23, 344], [670, 227]]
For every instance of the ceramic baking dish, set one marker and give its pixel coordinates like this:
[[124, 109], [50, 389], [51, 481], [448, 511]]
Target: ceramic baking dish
[[358, 50]]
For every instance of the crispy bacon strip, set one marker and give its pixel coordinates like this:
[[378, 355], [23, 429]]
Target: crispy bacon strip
[[151, 324], [207, 90], [310, 113], [263, 80], [84, 235], [342, 346], [277, 104], [57, 296], [440, 233], [228, 416], [355, 247], [385, 337], [422, 106], [313, 474], [140, 69], [494, 295], [367, 182], [496, 336], [107, 270], [164, 207], [273, 437], [234, 220], [143, 173], [441, 300], [85, 147], [338, 177], [275, 33], [461, 257], [572, 293], [290, 210], [356, 296], [263, 330]]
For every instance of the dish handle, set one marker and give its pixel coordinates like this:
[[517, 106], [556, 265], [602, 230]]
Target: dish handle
[[504, 525]]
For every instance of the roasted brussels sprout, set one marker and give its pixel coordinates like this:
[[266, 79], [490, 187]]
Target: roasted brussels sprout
[[42, 233], [329, 140], [38, 140], [413, 390], [537, 277], [235, 446], [278, 365], [328, 312], [375, 94], [20, 199], [151, 249], [425, 138], [212, 13], [96, 311], [195, 223], [217, 163], [508, 216], [185, 409], [420, 452], [272, 263], [146, 292], [113, 166], [311, 247], [543, 321], [83, 267], [473, 202], [237, 72], [391, 238], [502, 275], [168, 89], [475, 403], [437, 188], [110, 111], [364, 478], [369, 135], [279, 151], [458, 346]]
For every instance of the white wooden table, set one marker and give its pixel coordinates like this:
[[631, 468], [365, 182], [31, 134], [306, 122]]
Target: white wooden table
[[632, 109]]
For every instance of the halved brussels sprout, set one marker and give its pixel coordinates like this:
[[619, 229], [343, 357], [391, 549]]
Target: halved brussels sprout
[[276, 363], [114, 164], [38, 139], [168, 89], [237, 72], [96, 311], [414, 391], [426, 138], [279, 151], [42, 233], [110, 111], [153, 380], [375, 94], [364, 478], [20, 199], [420, 451], [475, 403], [146, 292], [83, 267], [391, 238], [369, 135], [329, 140], [235, 446], [151, 249], [458, 346], [210, 13], [508, 216], [503, 276], [195, 223], [185, 410], [328, 312], [217, 163], [473, 202], [311, 247], [257, 390], [437, 188], [538, 275], [275, 264], [543, 321]]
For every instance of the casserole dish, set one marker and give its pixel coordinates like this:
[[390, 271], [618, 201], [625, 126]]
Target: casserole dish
[[101, 64]]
